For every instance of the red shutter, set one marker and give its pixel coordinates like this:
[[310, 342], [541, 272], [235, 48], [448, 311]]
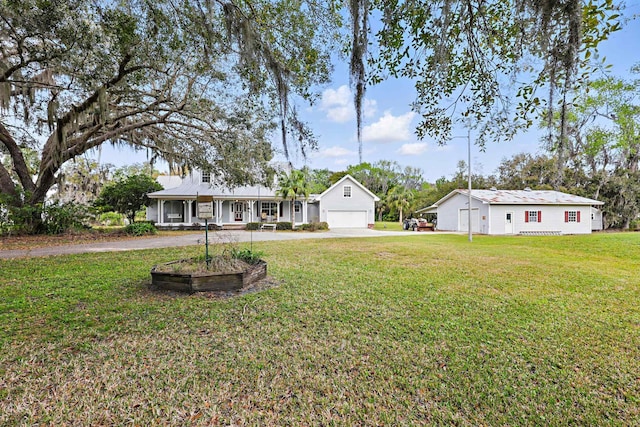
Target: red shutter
[[578, 216], [566, 216], [539, 216], [526, 216]]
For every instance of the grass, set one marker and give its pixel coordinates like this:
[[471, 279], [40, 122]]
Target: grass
[[386, 331], [387, 226]]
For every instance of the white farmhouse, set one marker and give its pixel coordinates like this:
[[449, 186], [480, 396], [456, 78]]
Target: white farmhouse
[[346, 204], [517, 212]]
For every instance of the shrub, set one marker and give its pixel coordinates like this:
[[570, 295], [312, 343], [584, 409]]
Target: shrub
[[315, 226], [140, 228], [111, 218], [253, 226], [60, 217], [284, 225]]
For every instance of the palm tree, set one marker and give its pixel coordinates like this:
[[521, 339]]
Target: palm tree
[[290, 187], [401, 198]]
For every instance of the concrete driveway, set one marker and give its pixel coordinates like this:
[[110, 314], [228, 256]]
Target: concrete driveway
[[224, 236]]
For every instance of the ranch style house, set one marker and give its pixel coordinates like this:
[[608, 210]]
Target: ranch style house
[[346, 204]]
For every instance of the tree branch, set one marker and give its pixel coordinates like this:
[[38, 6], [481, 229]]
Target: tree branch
[[17, 158], [6, 183]]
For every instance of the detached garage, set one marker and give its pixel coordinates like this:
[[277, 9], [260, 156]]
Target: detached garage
[[517, 212], [347, 204]]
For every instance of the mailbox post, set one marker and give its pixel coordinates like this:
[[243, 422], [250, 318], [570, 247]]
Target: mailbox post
[[204, 210]]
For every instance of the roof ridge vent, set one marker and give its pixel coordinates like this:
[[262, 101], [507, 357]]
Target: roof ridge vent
[[527, 188]]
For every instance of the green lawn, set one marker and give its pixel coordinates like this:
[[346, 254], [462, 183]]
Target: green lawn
[[388, 226], [417, 330]]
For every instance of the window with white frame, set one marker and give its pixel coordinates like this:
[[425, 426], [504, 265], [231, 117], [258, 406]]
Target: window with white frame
[[571, 216], [532, 216], [206, 177], [269, 208], [346, 191]]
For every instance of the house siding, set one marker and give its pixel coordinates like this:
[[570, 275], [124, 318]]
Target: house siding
[[449, 213], [164, 206], [313, 210], [491, 219], [553, 219]]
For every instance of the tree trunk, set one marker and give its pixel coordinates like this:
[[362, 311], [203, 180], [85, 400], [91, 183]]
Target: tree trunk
[[293, 214]]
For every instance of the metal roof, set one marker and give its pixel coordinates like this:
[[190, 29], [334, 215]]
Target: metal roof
[[518, 197], [191, 187], [529, 197]]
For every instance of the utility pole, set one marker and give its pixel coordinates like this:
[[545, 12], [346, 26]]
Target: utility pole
[[469, 161], [468, 179]]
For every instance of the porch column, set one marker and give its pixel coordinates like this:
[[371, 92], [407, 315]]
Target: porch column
[[304, 211], [160, 211], [219, 211], [251, 216], [187, 216]]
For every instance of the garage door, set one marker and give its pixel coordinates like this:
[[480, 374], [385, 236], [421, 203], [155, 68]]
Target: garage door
[[347, 219], [464, 220]]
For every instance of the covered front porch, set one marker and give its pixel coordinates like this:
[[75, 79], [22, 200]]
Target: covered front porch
[[226, 212]]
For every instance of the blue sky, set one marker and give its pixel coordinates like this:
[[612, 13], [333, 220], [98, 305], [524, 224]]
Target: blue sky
[[389, 123]]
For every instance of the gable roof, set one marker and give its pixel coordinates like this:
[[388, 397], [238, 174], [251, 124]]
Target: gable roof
[[354, 181], [519, 197]]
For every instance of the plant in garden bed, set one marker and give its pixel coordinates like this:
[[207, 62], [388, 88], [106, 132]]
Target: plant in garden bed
[[230, 260]]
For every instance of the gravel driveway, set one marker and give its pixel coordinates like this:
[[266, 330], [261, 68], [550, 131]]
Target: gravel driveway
[[198, 238]]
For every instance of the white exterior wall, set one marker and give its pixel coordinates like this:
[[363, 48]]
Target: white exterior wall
[[491, 219], [360, 200], [596, 219], [453, 215], [448, 213], [313, 212], [552, 219], [152, 211]]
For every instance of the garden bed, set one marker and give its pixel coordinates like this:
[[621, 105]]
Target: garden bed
[[170, 276]]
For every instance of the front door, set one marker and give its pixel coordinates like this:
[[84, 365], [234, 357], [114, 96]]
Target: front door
[[508, 223], [238, 209]]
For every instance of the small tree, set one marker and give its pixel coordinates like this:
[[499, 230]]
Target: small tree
[[401, 197], [127, 195], [290, 187]]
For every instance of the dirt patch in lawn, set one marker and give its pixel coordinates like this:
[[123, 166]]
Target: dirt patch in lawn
[[9, 243]]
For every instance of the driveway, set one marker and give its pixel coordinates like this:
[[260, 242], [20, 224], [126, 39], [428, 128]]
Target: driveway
[[225, 236]]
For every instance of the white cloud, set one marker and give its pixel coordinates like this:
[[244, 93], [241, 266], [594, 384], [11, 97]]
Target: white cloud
[[370, 107], [338, 105], [413, 149], [331, 97], [389, 128], [334, 152]]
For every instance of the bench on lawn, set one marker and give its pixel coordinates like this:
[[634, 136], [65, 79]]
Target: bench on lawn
[[271, 226]]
